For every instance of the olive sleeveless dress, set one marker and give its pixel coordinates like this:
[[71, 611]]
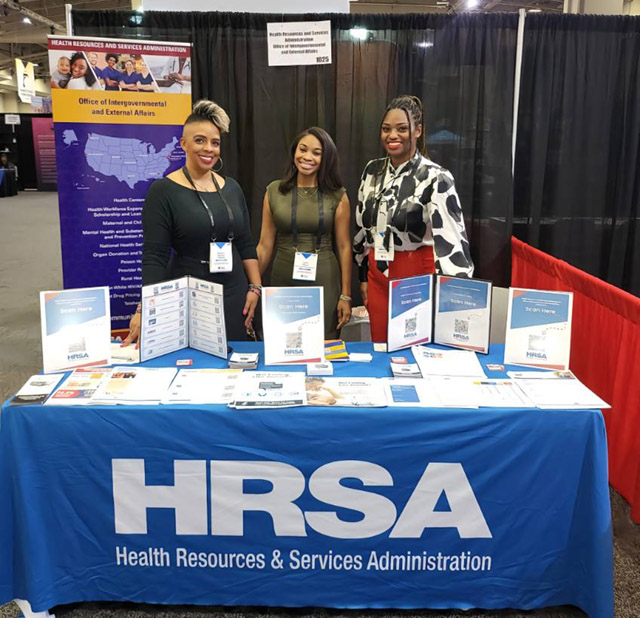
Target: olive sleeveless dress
[[328, 273]]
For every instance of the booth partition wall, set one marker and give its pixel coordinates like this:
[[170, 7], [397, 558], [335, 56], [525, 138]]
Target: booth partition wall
[[461, 66]]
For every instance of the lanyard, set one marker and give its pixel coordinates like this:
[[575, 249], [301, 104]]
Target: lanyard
[[377, 199], [185, 171], [294, 218]]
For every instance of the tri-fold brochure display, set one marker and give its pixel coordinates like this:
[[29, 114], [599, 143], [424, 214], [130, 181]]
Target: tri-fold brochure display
[[538, 328], [293, 323], [76, 328], [410, 312], [463, 313], [186, 312]]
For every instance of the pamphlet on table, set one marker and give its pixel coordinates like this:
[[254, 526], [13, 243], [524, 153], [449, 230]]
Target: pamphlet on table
[[293, 322], [538, 328], [411, 392], [36, 389], [76, 328], [345, 392], [135, 385], [433, 362], [186, 312], [80, 387], [463, 313], [410, 312], [203, 386], [556, 390], [270, 389]]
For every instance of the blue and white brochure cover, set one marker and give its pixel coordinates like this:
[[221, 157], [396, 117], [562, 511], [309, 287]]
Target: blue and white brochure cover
[[76, 328], [463, 313], [538, 329], [293, 322], [410, 312]]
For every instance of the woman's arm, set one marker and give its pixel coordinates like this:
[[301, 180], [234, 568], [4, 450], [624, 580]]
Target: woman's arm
[[342, 231], [360, 240], [450, 243], [255, 290], [268, 234]]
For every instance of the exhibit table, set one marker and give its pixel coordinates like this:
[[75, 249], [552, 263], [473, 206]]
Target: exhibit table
[[315, 506]]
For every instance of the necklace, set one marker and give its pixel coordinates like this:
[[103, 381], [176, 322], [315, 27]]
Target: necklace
[[205, 189], [307, 191]]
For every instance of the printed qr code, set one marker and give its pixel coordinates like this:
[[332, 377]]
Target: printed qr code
[[410, 325], [461, 327], [536, 343], [77, 346], [293, 341]]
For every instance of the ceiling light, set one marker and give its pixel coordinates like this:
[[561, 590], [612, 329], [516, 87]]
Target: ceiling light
[[472, 4], [26, 20], [359, 33], [35, 64]]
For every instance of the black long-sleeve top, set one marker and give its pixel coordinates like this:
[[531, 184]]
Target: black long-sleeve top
[[173, 217]]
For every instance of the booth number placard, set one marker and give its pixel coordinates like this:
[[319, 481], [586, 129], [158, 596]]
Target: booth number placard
[[294, 43]]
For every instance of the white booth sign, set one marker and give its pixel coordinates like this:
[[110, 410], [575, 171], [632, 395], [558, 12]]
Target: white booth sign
[[296, 43]]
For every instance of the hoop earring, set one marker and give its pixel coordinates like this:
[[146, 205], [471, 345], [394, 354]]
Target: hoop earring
[[221, 166]]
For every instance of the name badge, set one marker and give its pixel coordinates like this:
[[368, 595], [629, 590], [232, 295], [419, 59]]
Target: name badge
[[220, 257], [305, 266], [380, 253]]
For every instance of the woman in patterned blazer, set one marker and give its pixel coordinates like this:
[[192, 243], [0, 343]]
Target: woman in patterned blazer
[[408, 219]]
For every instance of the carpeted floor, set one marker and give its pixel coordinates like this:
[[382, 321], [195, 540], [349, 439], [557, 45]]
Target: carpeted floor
[[30, 261]]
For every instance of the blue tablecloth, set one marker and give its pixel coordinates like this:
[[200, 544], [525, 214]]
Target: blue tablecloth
[[436, 508]]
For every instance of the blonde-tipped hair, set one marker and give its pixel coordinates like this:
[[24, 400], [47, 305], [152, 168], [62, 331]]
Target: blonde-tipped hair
[[211, 111]]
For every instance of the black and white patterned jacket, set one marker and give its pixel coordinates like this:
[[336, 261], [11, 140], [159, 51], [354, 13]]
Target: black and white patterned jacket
[[423, 209]]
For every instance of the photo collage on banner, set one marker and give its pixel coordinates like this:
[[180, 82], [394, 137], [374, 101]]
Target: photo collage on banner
[[118, 111]]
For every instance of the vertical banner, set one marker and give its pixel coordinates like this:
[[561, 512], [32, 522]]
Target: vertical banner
[[118, 109], [45, 151], [25, 80]]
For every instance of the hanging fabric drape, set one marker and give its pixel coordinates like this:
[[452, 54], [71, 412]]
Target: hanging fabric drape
[[577, 187], [604, 354], [461, 66]]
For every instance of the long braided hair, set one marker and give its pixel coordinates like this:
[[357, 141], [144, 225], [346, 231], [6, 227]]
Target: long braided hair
[[412, 107]]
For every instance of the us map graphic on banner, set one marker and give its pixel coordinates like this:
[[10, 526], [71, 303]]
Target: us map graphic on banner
[[118, 111]]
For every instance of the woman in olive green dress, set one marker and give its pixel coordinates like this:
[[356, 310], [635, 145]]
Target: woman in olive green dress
[[306, 212]]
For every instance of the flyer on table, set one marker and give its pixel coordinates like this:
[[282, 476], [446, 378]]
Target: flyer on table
[[76, 328], [538, 328], [463, 313], [410, 312], [293, 320]]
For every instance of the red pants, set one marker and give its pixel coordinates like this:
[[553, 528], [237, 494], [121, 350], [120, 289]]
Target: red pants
[[405, 264]]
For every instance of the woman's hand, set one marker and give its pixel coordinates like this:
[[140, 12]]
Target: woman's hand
[[250, 307], [364, 292], [344, 312], [134, 330]]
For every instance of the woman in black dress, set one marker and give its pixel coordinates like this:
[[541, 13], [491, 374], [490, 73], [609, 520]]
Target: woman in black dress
[[190, 209]]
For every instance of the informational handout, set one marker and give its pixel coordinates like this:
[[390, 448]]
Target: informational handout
[[266, 389], [76, 328], [410, 312], [411, 393], [80, 387], [293, 320], [433, 362], [203, 386], [538, 328], [135, 385], [36, 389], [462, 315], [345, 392], [556, 389], [186, 312]]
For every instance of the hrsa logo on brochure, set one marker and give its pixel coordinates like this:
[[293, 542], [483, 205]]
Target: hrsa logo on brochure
[[228, 502]]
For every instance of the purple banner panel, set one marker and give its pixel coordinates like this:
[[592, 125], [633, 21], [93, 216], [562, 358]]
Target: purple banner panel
[[104, 172], [45, 151]]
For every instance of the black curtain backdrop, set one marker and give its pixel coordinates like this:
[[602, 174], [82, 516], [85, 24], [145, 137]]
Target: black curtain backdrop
[[577, 172], [462, 66]]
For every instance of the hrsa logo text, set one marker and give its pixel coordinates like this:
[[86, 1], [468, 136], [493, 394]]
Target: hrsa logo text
[[188, 497]]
